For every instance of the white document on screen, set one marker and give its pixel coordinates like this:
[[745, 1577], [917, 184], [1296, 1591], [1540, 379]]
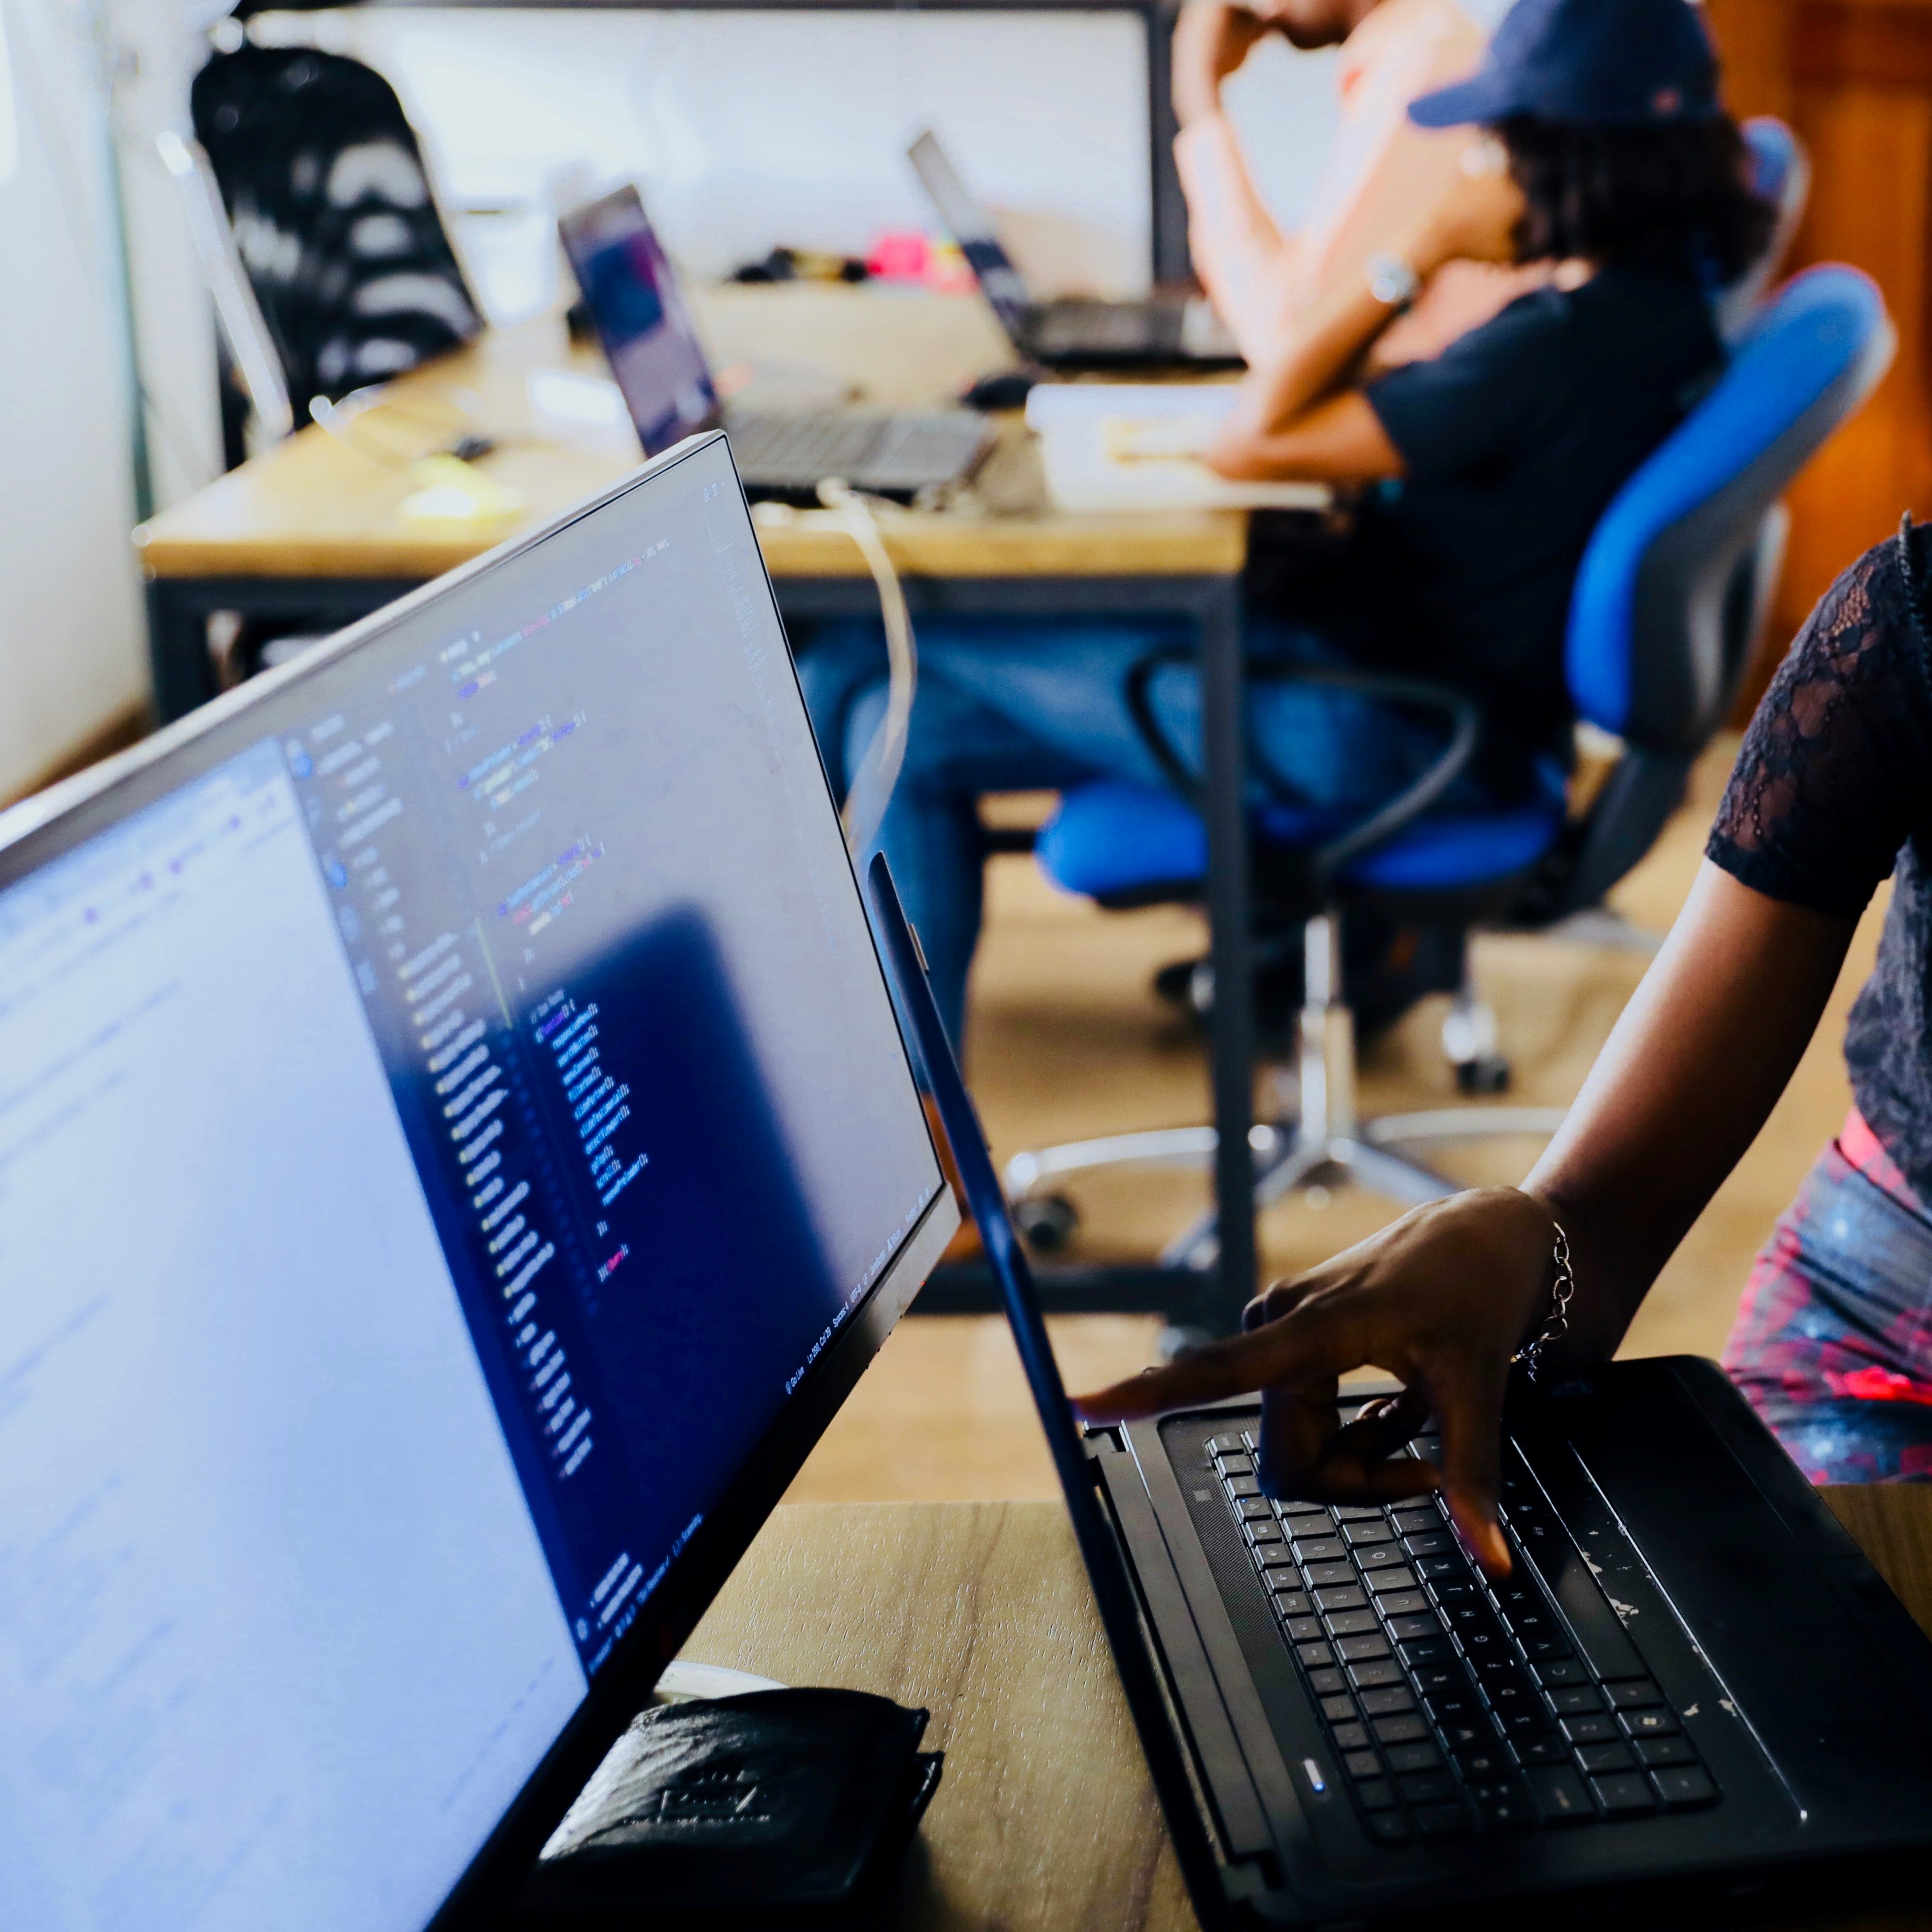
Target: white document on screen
[[277, 1641]]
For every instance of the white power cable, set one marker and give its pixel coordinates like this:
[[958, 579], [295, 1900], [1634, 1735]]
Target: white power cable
[[870, 790]]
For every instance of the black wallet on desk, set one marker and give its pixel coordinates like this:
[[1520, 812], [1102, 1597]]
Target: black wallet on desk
[[777, 1808]]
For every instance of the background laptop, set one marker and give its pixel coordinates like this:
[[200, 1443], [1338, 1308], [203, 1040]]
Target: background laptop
[[456, 1151], [1164, 331], [1693, 1686], [640, 317]]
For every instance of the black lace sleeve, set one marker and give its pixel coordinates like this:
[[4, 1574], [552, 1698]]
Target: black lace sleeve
[[1835, 772]]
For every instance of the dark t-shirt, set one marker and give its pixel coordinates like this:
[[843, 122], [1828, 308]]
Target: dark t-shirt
[[1515, 439], [1833, 786]]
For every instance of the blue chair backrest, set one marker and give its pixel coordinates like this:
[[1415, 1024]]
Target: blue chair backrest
[[1781, 174], [1666, 600]]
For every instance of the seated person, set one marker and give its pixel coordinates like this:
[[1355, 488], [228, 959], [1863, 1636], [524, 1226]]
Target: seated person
[[1382, 174], [1833, 1345], [1613, 165]]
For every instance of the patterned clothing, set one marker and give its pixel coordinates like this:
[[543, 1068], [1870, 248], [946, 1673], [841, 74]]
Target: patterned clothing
[[1833, 1342]]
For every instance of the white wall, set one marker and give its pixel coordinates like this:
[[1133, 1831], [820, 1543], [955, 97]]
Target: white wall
[[71, 638]]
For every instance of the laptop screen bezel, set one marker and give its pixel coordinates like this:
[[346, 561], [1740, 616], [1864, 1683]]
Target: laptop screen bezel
[[40, 829]]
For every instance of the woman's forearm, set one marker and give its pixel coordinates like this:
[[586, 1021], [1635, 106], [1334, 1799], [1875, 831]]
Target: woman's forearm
[[1689, 1075]]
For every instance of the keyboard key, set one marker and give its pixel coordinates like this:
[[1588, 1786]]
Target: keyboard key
[[1459, 1734], [1228, 1445], [1360, 1650], [1543, 1750], [1244, 1486], [1354, 1513], [1542, 1649], [1598, 1759], [1532, 1721], [1339, 1709], [1268, 1532], [1346, 1598], [1292, 1602], [1376, 1676], [1391, 1582], [1401, 1602], [1573, 1700], [1376, 1794], [1457, 1589], [1441, 1821], [1504, 1804], [1412, 1757], [1450, 1706], [1314, 1655], [1444, 1566], [1322, 1576], [1625, 1794], [1427, 1787], [1350, 1738], [1638, 1695], [1362, 1764], [1255, 1509], [1482, 1647], [1594, 1728], [1470, 1614], [1326, 1683], [1305, 1629], [1419, 1627], [1387, 1703], [1359, 1535], [1352, 1623], [1430, 1543], [1406, 1730], [1658, 1751], [1320, 1550], [1561, 1670], [1411, 1522], [1275, 1556], [1502, 1678], [1681, 1788], [1303, 1510], [1232, 1464], [1379, 1555], [1558, 1795], [1415, 1650], [1486, 1761], [1387, 1827], [1651, 1723], [1441, 1680]]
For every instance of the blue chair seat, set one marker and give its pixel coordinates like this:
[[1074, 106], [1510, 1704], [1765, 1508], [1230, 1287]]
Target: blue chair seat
[[1114, 839]]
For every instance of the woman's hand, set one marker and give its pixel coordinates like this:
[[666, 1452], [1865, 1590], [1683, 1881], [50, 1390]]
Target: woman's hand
[[1211, 39], [1441, 1300]]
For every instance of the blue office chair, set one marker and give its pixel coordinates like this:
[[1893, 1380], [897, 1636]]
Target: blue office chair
[[1669, 600], [1781, 174]]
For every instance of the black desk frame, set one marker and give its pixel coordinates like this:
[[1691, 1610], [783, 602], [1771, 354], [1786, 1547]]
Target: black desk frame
[[178, 609]]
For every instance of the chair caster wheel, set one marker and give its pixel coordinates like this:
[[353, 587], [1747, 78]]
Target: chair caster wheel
[[1046, 1222], [1488, 1073]]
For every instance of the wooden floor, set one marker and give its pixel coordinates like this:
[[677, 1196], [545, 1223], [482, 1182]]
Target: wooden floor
[[1068, 1042]]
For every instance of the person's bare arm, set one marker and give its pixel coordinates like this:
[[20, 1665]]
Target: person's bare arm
[[1297, 416], [1445, 1296]]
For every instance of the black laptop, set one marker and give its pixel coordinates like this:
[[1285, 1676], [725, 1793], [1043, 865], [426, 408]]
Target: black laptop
[[638, 310], [1165, 332], [1692, 1690]]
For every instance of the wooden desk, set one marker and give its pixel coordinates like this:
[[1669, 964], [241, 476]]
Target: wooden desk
[[312, 533], [980, 1611]]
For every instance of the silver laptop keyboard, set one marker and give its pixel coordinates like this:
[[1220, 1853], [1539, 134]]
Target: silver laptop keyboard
[[1456, 1706], [893, 455]]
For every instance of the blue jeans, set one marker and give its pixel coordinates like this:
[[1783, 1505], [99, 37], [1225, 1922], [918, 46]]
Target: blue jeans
[[1026, 704]]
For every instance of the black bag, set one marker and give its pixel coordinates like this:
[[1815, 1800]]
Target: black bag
[[326, 192]]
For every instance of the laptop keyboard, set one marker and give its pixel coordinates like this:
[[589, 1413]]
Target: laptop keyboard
[[1455, 1705], [891, 455]]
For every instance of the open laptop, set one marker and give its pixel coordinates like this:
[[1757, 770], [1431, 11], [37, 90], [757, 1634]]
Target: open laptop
[[456, 1152], [1693, 1689], [638, 310], [1166, 332]]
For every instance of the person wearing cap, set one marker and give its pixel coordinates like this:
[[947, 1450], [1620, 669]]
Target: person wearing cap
[[1479, 474], [1382, 172]]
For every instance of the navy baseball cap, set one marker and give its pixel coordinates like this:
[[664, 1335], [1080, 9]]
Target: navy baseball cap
[[1594, 63]]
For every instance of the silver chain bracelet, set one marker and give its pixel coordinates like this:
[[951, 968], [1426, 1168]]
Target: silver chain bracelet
[[1556, 1324]]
